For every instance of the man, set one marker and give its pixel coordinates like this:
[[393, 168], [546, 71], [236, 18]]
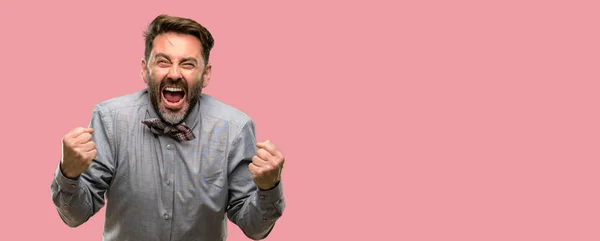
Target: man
[[171, 160]]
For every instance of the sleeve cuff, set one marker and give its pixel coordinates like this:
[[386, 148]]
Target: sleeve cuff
[[66, 184], [272, 195]]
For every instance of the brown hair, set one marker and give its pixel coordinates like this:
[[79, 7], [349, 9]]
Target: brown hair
[[165, 23]]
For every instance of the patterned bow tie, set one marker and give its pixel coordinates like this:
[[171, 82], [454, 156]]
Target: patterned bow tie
[[180, 132]]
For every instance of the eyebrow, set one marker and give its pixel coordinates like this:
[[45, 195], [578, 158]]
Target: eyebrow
[[189, 59], [182, 60]]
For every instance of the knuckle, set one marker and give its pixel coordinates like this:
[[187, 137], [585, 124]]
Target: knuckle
[[275, 160], [76, 130], [68, 142]]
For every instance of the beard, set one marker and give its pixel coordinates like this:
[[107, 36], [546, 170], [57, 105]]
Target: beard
[[191, 97]]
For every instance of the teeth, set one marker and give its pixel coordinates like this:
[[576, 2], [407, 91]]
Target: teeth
[[173, 89]]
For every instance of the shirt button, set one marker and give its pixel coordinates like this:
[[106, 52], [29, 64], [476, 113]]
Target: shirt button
[[166, 216], [168, 182], [169, 146], [262, 197], [264, 219]]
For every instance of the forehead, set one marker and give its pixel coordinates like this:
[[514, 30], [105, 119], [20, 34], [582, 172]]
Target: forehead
[[177, 45]]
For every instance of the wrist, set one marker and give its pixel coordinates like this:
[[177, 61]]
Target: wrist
[[264, 188], [67, 174]]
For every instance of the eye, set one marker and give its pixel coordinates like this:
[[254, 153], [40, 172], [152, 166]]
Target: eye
[[189, 65], [162, 63]]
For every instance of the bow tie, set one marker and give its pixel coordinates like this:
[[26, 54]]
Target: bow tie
[[180, 132]]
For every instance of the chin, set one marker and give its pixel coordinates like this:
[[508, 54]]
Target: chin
[[173, 116]]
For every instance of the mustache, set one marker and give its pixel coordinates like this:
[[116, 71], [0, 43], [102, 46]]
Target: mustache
[[181, 83]]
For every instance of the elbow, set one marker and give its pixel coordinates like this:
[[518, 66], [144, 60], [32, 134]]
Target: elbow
[[259, 235], [73, 224], [256, 237], [69, 222]]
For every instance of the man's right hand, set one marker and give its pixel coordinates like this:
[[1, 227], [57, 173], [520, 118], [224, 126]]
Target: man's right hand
[[78, 151]]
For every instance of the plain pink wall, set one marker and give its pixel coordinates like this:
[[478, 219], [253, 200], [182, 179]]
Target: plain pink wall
[[415, 120]]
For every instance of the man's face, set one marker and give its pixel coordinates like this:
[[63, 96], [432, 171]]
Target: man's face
[[175, 74]]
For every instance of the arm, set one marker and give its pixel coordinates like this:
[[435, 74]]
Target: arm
[[79, 198], [252, 209]]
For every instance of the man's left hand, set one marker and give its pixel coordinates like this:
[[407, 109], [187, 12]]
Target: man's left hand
[[266, 165]]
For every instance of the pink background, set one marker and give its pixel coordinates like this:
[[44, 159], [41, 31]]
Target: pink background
[[436, 120]]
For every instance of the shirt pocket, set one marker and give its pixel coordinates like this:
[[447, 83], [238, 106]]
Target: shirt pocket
[[214, 155], [214, 178], [214, 166]]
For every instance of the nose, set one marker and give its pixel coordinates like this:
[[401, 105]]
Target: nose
[[174, 73]]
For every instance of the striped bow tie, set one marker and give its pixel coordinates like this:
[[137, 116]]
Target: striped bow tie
[[180, 132]]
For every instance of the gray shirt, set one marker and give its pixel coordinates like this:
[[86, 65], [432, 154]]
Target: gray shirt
[[160, 189]]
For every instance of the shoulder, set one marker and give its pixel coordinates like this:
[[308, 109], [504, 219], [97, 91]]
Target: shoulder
[[127, 103], [213, 108]]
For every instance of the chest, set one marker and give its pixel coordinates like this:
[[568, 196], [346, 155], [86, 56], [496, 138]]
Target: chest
[[161, 171]]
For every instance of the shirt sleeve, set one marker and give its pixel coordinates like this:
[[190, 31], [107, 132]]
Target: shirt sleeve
[[77, 200], [255, 211]]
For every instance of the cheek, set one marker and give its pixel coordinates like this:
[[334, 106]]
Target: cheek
[[192, 76], [158, 73]]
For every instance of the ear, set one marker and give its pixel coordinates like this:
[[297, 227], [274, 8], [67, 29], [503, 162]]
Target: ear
[[144, 71], [206, 75]]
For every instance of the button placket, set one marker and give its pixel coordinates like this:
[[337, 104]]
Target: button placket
[[169, 161]]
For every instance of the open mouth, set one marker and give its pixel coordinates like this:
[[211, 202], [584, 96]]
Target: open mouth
[[173, 96]]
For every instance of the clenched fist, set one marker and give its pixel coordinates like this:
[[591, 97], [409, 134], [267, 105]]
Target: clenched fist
[[266, 165], [78, 151]]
